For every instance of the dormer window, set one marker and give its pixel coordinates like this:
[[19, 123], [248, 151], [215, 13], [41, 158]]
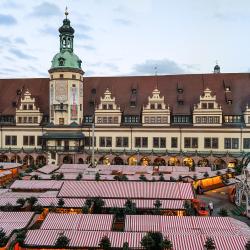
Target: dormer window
[[210, 105], [110, 106], [104, 106], [180, 90], [159, 106], [152, 106], [24, 107], [132, 104], [204, 105], [61, 61], [134, 91], [30, 107]]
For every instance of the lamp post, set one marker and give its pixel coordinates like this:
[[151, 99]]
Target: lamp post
[[93, 144]]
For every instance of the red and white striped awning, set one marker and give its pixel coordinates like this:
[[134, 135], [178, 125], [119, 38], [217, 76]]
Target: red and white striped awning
[[127, 189], [82, 222], [47, 169], [184, 225], [39, 238], [10, 221], [83, 238], [37, 185]]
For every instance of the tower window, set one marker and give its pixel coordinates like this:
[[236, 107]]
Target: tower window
[[73, 77], [61, 76], [93, 91], [134, 91], [61, 61]]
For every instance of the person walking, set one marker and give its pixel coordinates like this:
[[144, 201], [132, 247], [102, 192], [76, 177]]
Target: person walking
[[211, 208]]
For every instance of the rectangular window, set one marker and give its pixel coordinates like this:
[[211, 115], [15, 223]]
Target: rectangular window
[[144, 142], [10, 140], [235, 143], [61, 121], [24, 106], [187, 142], [174, 142], [30, 107], [137, 142], [159, 142], [210, 105], [25, 140], [110, 106], [211, 142], [29, 140], [105, 141], [35, 120], [141, 142], [227, 143], [190, 142], [88, 141], [246, 143], [30, 119], [39, 140], [122, 142], [19, 119]]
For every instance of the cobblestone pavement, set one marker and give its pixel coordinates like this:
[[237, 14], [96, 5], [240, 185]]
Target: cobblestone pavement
[[219, 197]]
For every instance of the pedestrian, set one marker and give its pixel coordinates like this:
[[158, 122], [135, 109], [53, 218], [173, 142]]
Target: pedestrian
[[211, 208]]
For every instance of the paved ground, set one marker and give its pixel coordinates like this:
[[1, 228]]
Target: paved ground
[[219, 197]]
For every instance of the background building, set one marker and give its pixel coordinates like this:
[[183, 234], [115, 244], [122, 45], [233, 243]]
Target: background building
[[192, 120]]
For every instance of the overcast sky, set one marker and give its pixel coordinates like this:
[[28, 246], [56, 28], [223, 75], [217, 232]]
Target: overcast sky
[[127, 37]]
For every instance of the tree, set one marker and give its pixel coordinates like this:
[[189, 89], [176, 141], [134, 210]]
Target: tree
[[118, 212], [35, 177], [161, 177], [85, 209], [142, 177], [206, 175], [172, 179], [79, 177], [188, 208], [167, 244], [223, 212], [209, 244], [61, 202], [60, 176], [148, 242], [130, 207], [157, 206], [32, 200], [180, 178], [97, 176], [247, 246], [3, 237], [124, 177], [38, 208], [53, 176], [98, 205], [105, 243], [62, 241], [125, 246], [20, 237], [8, 207], [20, 201]]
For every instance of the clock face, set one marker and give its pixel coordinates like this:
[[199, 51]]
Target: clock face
[[61, 94]]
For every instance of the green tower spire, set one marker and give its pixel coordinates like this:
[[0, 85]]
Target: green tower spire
[[66, 59]]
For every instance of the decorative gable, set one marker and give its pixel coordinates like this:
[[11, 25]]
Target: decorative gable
[[156, 112], [27, 111], [107, 112], [207, 111]]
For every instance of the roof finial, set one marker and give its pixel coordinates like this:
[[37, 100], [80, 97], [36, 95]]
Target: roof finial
[[66, 12], [156, 79]]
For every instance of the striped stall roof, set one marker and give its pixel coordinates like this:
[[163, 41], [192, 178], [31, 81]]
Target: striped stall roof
[[10, 221], [11, 201], [82, 238], [68, 202], [37, 185], [10, 165], [185, 224], [91, 239], [47, 169], [127, 189], [78, 222]]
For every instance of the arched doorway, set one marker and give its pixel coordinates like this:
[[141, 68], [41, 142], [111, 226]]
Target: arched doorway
[[220, 164], [67, 159], [104, 160], [89, 160], [28, 159], [159, 162], [4, 158], [118, 161], [232, 163], [188, 162], [16, 158], [173, 161], [41, 160], [80, 161], [145, 161], [132, 161], [203, 162]]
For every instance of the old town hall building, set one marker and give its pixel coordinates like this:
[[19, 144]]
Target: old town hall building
[[191, 119]]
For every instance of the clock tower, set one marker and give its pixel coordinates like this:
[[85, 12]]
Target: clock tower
[[66, 80]]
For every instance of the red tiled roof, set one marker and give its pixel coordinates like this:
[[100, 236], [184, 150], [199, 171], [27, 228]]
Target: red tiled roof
[[192, 85]]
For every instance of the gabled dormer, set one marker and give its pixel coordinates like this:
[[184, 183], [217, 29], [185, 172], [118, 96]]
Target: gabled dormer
[[108, 112], [207, 112], [27, 111], [156, 112]]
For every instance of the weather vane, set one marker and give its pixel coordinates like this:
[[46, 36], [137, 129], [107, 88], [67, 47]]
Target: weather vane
[[66, 12], [155, 68]]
